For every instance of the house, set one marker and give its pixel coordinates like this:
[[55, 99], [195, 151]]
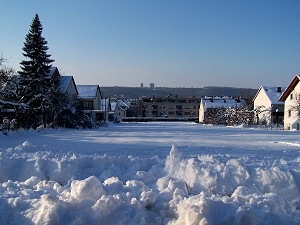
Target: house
[[90, 99], [209, 106], [291, 99], [67, 89], [120, 107], [267, 108], [89, 96], [170, 107]]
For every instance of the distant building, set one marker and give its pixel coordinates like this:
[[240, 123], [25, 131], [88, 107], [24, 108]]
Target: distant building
[[171, 107], [267, 108], [152, 86], [142, 85]]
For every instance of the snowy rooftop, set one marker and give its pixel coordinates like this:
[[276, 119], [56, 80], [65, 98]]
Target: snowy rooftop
[[64, 83], [274, 94], [122, 105], [218, 102], [87, 91]]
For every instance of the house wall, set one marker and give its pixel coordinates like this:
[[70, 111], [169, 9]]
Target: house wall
[[72, 92], [97, 101], [202, 109], [262, 104], [120, 113], [291, 114]]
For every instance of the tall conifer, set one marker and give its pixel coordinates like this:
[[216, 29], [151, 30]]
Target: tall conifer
[[34, 80]]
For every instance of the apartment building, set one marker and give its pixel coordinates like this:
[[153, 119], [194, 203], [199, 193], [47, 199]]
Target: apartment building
[[171, 107]]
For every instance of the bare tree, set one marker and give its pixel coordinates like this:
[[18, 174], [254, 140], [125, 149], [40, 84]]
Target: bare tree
[[5, 71]]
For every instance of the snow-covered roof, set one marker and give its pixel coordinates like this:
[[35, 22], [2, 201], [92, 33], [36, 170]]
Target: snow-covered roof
[[219, 102], [9, 103], [87, 91], [120, 104], [273, 93], [64, 83]]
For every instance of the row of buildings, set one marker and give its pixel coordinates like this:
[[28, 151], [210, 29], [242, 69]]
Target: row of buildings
[[271, 106], [89, 97]]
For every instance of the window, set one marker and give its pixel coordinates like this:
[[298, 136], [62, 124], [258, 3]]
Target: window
[[179, 113], [88, 104], [289, 113], [154, 113], [291, 96], [179, 107]]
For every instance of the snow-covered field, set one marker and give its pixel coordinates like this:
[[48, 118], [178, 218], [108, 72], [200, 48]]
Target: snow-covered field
[[150, 173]]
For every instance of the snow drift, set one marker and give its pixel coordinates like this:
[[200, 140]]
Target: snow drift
[[42, 186]]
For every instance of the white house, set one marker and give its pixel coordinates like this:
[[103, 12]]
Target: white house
[[120, 108], [268, 109], [209, 106], [291, 99]]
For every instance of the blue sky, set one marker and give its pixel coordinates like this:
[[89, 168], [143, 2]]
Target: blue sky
[[172, 43]]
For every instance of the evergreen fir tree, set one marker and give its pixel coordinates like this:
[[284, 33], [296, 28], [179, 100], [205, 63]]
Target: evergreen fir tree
[[35, 83]]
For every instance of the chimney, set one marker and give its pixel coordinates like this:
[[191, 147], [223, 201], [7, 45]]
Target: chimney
[[279, 89]]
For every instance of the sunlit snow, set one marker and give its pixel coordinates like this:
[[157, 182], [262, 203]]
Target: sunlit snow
[[150, 173]]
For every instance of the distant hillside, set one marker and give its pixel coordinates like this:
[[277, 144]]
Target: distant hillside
[[136, 92]]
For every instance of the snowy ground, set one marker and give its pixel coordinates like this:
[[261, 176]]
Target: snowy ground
[[150, 173]]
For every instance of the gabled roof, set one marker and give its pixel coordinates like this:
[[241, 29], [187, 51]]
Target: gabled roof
[[290, 88], [272, 93], [122, 105], [65, 82], [88, 91]]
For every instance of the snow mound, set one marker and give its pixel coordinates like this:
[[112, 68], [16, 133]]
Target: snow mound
[[39, 185]]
